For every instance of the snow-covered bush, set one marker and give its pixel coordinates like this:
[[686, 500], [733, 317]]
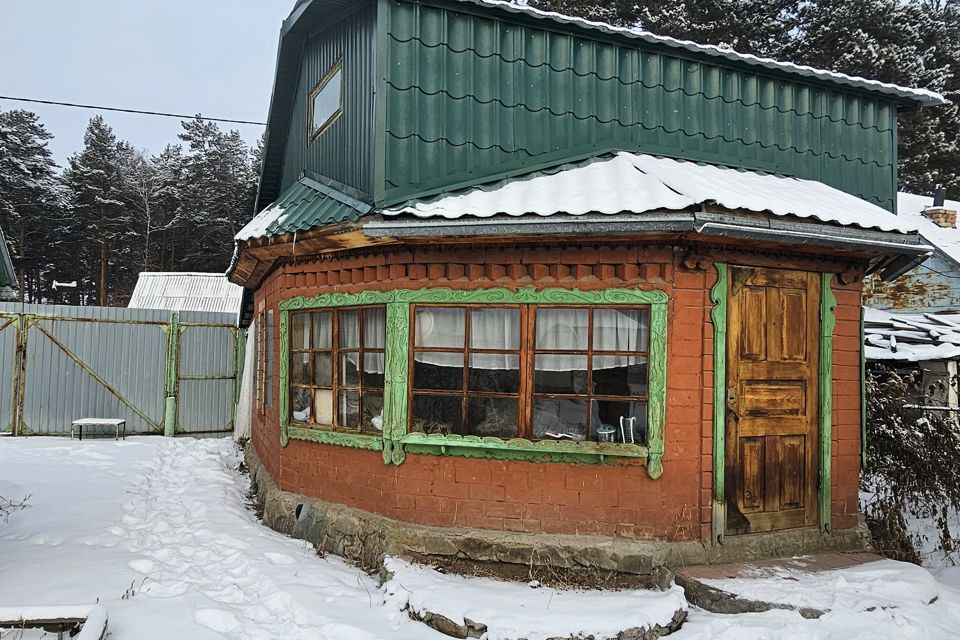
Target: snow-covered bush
[[912, 469]]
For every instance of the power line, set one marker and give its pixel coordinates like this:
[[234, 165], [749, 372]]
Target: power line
[[146, 113]]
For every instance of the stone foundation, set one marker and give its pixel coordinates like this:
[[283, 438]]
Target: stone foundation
[[367, 538]]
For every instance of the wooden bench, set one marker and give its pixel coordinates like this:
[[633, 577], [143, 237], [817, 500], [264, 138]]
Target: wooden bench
[[117, 423]]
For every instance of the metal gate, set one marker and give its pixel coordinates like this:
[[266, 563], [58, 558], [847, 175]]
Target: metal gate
[[164, 372]]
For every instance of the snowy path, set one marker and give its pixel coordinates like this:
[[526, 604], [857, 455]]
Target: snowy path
[[168, 517]]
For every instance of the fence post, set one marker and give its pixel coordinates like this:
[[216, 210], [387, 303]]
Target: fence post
[[172, 373]]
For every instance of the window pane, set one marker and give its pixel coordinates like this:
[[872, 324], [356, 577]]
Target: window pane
[[495, 329], [300, 338], [373, 367], [559, 419], [326, 102], [348, 410], [492, 417], [620, 375], [300, 368], [300, 404], [322, 370], [560, 374], [440, 327], [565, 329], [436, 414], [349, 370], [620, 421], [323, 406], [375, 328], [620, 330], [322, 330], [350, 329], [371, 417], [440, 371], [494, 372]]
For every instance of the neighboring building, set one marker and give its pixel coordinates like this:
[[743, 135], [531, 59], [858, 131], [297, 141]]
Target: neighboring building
[[186, 292], [497, 250], [8, 276], [928, 343], [933, 286]]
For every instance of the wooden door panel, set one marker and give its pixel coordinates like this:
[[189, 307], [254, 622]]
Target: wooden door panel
[[771, 455], [793, 304], [773, 398], [753, 310], [791, 456], [752, 465]]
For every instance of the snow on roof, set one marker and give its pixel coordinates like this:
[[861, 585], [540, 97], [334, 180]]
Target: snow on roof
[[638, 183], [910, 207], [923, 96], [186, 292], [911, 337]]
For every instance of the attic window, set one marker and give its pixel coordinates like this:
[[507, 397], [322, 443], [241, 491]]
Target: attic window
[[326, 100]]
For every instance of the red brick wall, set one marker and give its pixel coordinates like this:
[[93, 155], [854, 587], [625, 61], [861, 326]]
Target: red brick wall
[[546, 497], [845, 473]]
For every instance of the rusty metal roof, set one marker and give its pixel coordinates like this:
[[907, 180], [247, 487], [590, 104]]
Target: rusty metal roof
[[911, 337]]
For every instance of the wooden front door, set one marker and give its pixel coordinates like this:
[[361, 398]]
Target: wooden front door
[[772, 406]]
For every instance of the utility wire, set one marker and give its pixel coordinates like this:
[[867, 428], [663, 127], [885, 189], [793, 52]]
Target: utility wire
[[146, 113]]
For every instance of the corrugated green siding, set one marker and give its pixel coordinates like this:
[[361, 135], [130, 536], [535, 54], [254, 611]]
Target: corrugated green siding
[[470, 96], [344, 152]]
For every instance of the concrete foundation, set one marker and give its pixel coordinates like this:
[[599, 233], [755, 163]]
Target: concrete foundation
[[367, 538]]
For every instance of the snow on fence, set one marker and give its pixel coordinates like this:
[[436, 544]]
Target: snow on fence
[[162, 371]]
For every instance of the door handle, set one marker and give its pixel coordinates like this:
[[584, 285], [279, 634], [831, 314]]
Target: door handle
[[732, 402]]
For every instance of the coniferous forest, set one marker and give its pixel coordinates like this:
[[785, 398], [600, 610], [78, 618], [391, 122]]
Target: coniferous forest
[[114, 211]]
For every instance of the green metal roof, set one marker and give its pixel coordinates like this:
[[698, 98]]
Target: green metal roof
[[307, 204], [8, 276]]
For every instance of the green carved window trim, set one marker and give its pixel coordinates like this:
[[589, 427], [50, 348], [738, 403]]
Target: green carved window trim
[[395, 440]]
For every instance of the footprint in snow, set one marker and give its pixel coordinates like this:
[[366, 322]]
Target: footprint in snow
[[280, 559], [143, 565], [219, 620]]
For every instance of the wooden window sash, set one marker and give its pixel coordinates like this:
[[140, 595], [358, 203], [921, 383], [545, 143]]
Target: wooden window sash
[[527, 353], [335, 351]]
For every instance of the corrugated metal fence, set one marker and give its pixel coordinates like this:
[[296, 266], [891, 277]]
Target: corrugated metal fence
[[164, 372]]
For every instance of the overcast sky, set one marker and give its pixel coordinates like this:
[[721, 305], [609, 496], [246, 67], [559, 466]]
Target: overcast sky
[[214, 57]]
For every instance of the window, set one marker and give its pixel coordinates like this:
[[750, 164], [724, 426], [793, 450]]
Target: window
[[326, 100], [337, 369], [575, 373]]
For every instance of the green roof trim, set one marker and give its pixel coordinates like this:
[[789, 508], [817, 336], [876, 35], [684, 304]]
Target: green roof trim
[[309, 203], [8, 275]]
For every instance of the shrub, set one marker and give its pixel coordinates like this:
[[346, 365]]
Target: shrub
[[912, 467]]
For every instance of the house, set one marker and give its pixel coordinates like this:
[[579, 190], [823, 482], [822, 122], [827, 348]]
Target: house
[[537, 289], [913, 322], [934, 286], [186, 291], [8, 275]]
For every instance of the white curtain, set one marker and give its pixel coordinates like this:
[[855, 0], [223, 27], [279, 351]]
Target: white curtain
[[557, 328], [242, 427]]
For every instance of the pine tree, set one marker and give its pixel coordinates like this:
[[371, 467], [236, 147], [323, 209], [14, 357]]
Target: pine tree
[[215, 196], [99, 201], [30, 199]]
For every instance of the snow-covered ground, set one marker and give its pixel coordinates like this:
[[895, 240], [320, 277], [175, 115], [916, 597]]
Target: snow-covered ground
[[157, 531]]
